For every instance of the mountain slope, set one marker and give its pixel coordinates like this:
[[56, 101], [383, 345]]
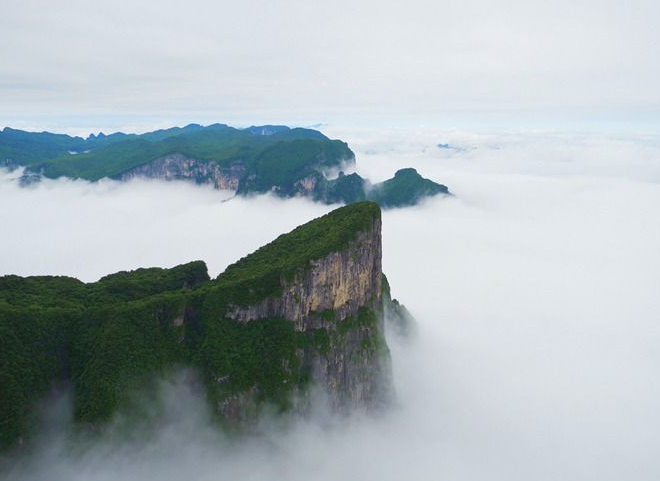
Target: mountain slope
[[305, 310], [406, 188], [260, 159]]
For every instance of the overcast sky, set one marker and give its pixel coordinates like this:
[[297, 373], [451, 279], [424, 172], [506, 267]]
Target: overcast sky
[[74, 64]]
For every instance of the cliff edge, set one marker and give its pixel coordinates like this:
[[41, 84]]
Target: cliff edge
[[333, 296], [298, 320]]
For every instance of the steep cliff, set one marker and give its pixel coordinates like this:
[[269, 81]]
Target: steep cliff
[[341, 281], [302, 315], [287, 162], [180, 167], [335, 297], [406, 188]]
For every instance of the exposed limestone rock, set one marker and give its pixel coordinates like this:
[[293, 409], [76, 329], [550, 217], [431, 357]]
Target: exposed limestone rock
[[180, 167], [234, 177], [342, 282], [296, 322], [341, 295], [307, 185]]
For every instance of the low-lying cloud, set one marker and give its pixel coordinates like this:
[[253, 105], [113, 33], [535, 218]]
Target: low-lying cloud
[[538, 345]]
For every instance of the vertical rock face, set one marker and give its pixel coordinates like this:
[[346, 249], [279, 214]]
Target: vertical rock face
[[338, 297], [180, 167], [302, 315], [341, 281]]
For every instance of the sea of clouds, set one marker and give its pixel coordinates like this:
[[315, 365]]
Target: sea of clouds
[[535, 289]]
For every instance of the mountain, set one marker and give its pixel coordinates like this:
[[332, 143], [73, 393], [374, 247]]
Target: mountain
[[406, 188], [304, 311], [269, 158]]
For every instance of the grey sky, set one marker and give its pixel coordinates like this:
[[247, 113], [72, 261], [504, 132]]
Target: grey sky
[[72, 62]]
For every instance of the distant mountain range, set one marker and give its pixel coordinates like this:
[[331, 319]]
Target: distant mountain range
[[267, 158]]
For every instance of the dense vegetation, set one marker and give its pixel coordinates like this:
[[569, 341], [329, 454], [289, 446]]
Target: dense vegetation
[[109, 338], [58, 328], [258, 275], [276, 154], [283, 164], [406, 188], [272, 158]]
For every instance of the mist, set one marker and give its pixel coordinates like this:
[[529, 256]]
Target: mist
[[534, 288]]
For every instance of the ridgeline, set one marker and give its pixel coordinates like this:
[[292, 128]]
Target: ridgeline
[[269, 158], [305, 310]]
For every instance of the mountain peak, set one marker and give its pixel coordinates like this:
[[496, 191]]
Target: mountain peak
[[305, 310], [408, 171], [282, 258]]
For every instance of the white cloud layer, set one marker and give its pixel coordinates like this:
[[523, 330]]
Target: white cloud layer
[[535, 290]]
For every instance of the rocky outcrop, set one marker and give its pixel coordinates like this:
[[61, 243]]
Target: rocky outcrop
[[298, 320], [340, 297], [355, 372], [181, 167], [307, 185], [407, 187], [341, 282]]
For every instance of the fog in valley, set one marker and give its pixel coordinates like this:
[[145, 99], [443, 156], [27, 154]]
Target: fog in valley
[[535, 289]]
